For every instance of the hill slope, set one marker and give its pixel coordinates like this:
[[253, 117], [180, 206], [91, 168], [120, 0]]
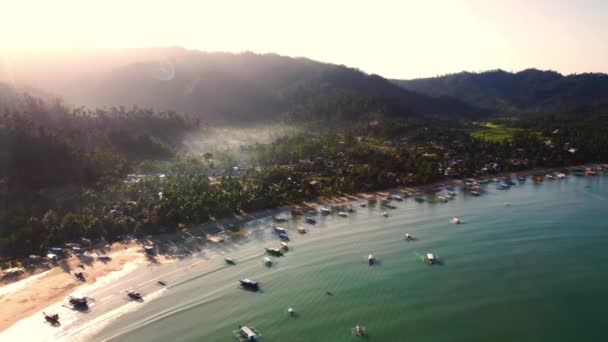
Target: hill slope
[[232, 87], [528, 90]]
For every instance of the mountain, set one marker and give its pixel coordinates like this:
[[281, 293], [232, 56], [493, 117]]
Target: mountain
[[242, 87], [529, 90]]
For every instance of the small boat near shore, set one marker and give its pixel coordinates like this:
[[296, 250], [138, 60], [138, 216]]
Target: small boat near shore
[[274, 251], [279, 230], [456, 220], [267, 261], [384, 213], [343, 214], [310, 220], [409, 237], [284, 246], [475, 193], [325, 211], [301, 230], [52, 319], [430, 258], [249, 284], [291, 312], [283, 237], [390, 206], [134, 295], [371, 259], [359, 330], [230, 261], [246, 334]]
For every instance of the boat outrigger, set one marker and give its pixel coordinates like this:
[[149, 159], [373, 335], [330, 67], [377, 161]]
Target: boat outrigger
[[134, 295], [249, 284], [359, 330], [52, 319], [246, 334], [371, 259], [274, 251]]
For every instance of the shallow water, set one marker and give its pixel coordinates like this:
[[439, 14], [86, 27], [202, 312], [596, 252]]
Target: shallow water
[[532, 271]]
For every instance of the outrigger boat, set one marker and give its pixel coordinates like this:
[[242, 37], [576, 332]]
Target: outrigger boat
[[301, 230], [249, 284], [246, 334], [267, 261], [274, 251], [359, 330], [52, 319], [370, 259], [229, 261], [310, 220], [134, 295]]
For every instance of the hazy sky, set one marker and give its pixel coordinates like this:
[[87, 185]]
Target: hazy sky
[[400, 39]]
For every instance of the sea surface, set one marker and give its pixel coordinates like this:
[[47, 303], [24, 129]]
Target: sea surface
[[536, 270]]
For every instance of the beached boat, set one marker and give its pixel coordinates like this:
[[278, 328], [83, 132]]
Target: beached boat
[[310, 220], [363, 204], [267, 261], [312, 212], [370, 259], [79, 303], [230, 261], [430, 259], [483, 181], [456, 220], [274, 251], [350, 210], [503, 186], [549, 177], [359, 330], [301, 230], [249, 284], [246, 334], [52, 319], [134, 295]]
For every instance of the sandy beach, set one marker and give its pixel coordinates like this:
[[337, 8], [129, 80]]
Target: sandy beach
[[35, 292]]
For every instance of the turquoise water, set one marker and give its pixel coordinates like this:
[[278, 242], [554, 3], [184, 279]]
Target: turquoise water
[[533, 271]]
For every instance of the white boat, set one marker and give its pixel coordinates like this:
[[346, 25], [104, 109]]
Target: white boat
[[475, 193], [370, 259], [343, 214], [409, 237], [442, 199], [291, 312], [561, 175], [267, 261], [385, 214], [301, 230], [359, 330], [325, 211], [229, 261], [246, 334], [430, 258], [397, 198], [456, 220], [284, 245]]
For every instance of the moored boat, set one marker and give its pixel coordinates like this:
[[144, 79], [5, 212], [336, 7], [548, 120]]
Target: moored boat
[[274, 251], [283, 236], [456, 220], [385, 214], [52, 319], [291, 312], [280, 219], [419, 199], [246, 334], [284, 246], [343, 214], [475, 193], [430, 258], [371, 259], [249, 284], [590, 172], [267, 261], [279, 230], [359, 330], [310, 220], [325, 211]]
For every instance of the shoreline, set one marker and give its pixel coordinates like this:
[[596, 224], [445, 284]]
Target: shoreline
[[34, 293]]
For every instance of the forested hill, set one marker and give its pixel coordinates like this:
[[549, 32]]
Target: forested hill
[[230, 87], [530, 90]]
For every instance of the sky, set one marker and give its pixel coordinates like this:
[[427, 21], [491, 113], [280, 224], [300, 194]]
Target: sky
[[395, 39]]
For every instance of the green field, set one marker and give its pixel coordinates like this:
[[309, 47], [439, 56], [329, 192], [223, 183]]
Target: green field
[[494, 132]]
